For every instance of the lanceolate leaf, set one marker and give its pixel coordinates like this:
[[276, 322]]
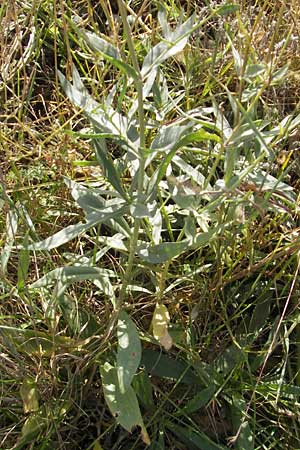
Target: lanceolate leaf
[[166, 251], [163, 252], [245, 437], [199, 136], [163, 366], [129, 351], [123, 405], [107, 164], [105, 118], [168, 137], [194, 438], [72, 274], [91, 200], [109, 52], [174, 42], [224, 10], [72, 231]]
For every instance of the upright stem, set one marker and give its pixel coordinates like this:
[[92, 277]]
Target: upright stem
[[141, 118]]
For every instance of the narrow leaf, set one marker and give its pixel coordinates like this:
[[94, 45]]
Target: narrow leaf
[[72, 231], [11, 230], [227, 9], [108, 167], [199, 400], [163, 366], [23, 264], [109, 52], [174, 43], [142, 386], [192, 437], [245, 439], [71, 274]]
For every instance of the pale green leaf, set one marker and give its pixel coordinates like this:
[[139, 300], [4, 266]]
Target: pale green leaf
[[23, 264], [129, 350], [253, 70], [72, 274], [104, 118], [174, 42], [123, 405], [72, 231], [165, 251], [11, 230], [109, 52], [168, 137]]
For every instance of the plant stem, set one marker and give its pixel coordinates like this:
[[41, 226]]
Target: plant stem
[[141, 118]]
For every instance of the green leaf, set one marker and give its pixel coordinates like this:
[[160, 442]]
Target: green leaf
[[29, 395], [224, 10], [79, 321], [11, 230], [161, 365], [91, 200], [199, 400], [72, 274], [109, 170], [245, 439], [72, 231], [143, 388], [166, 251], [129, 350], [33, 425], [35, 342], [279, 75], [260, 315], [23, 264], [196, 438], [168, 137], [101, 45], [163, 252], [142, 210], [253, 70], [106, 287], [199, 136], [174, 42], [123, 405], [109, 52], [233, 356], [238, 60], [160, 172]]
